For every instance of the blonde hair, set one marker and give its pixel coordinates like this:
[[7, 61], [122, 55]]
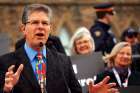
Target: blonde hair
[[109, 58], [81, 32]]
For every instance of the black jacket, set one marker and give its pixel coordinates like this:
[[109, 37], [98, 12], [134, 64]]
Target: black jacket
[[134, 79], [60, 75]]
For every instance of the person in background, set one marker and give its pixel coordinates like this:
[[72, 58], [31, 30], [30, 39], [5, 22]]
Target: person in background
[[82, 42], [119, 67], [100, 31], [130, 35], [136, 57]]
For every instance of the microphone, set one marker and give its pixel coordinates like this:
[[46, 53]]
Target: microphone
[[41, 44]]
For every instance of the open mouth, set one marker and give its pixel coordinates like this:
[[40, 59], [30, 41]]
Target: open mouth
[[84, 48], [39, 34]]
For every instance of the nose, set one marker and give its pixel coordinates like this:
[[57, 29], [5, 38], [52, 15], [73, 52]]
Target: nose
[[40, 24], [126, 55]]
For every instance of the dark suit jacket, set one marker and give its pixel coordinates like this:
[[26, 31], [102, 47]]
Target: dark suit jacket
[[60, 75], [134, 79]]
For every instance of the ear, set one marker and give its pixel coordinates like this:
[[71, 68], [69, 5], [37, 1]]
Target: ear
[[51, 29], [22, 28]]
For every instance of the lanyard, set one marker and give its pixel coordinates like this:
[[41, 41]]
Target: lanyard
[[125, 83]]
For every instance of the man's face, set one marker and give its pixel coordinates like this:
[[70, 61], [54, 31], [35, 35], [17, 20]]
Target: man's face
[[131, 38], [37, 28], [110, 18]]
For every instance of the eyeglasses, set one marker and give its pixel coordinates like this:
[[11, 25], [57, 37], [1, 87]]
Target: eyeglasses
[[37, 22]]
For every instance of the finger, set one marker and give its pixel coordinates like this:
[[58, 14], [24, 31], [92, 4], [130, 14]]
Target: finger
[[90, 87], [11, 68], [9, 74], [105, 80], [110, 85], [90, 83], [19, 70], [113, 90], [7, 80]]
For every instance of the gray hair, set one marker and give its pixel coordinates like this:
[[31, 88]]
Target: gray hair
[[81, 32], [35, 7], [109, 58]]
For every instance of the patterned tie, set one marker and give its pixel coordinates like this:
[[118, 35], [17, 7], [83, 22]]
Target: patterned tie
[[41, 72]]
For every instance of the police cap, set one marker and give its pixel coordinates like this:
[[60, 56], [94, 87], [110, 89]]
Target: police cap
[[130, 32], [104, 7]]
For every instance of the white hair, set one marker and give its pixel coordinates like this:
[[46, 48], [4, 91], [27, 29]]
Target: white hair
[[80, 32]]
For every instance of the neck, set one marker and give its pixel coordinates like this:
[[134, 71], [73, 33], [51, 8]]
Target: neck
[[36, 47], [125, 67], [122, 71], [104, 20]]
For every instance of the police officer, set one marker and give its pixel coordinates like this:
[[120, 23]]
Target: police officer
[[104, 39]]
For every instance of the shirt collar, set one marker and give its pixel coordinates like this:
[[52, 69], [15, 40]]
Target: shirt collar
[[31, 53], [104, 26]]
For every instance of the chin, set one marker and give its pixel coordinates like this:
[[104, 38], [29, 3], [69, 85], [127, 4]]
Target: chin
[[84, 53], [38, 41], [125, 65]]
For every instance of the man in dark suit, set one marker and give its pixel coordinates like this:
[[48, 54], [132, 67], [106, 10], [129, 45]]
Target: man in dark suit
[[19, 67]]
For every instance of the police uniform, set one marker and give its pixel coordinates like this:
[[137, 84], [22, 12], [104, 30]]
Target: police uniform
[[104, 39]]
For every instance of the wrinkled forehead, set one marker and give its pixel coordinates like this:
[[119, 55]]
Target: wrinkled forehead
[[37, 14], [37, 11], [83, 40]]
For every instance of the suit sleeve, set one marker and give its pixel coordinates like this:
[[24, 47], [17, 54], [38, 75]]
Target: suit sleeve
[[2, 74]]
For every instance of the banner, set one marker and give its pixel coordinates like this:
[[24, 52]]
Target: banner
[[86, 67]]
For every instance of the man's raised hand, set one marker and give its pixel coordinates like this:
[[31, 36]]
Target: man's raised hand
[[12, 78]]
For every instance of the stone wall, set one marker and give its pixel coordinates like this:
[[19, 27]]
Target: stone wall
[[68, 13]]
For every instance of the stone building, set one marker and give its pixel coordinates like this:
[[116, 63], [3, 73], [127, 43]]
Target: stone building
[[68, 16]]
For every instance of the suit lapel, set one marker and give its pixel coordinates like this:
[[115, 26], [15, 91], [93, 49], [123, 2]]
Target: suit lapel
[[28, 72]]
